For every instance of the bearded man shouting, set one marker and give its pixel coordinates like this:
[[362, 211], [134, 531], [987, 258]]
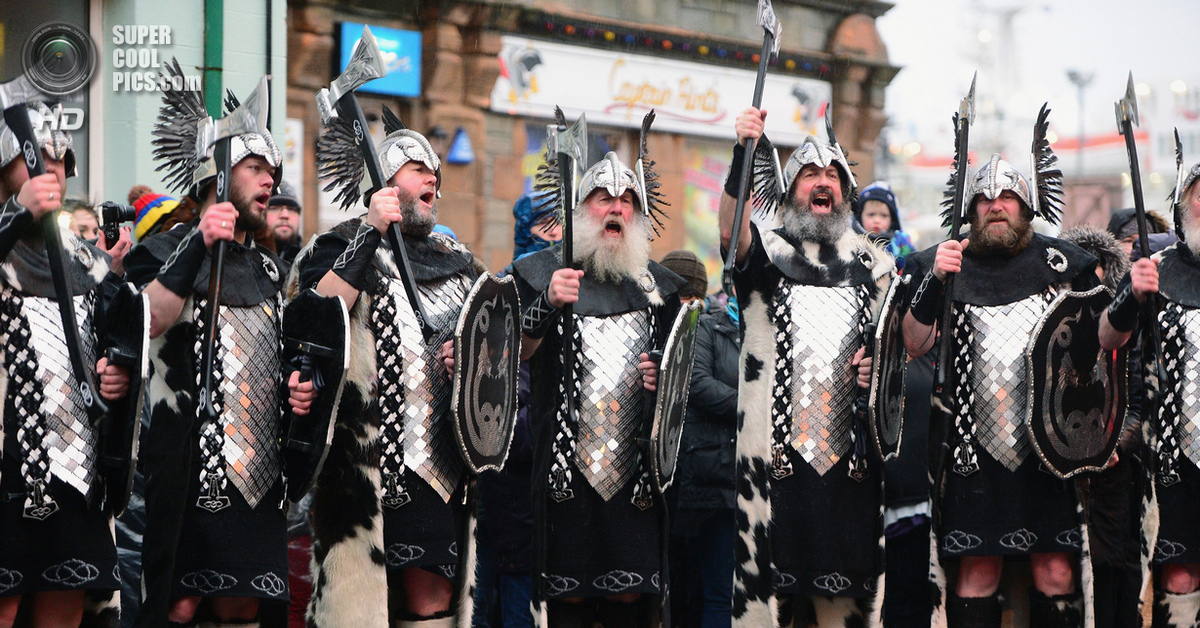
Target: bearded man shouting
[[599, 535]]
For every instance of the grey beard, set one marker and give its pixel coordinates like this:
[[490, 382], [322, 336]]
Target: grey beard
[[415, 223], [612, 262], [799, 221], [1191, 230]]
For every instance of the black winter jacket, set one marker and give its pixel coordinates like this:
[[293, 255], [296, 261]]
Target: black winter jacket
[[705, 473]]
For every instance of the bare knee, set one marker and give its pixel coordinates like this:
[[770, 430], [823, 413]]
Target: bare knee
[[1183, 578], [1053, 573], [235, 608], [57, 609], [183, 609], [979, 576], [426, 594], [8, 610]]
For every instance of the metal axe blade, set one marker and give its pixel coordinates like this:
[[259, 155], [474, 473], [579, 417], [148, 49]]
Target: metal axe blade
[[1127, 106], [18, 92], [366, 65], [573, 143], [770, 22], [249, 117], [966, 110]]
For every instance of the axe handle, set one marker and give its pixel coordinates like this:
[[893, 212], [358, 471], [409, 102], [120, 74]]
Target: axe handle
[[746, 180], [212, 314], [1135, 176], [960, 191], [566, 175], [17, 120]]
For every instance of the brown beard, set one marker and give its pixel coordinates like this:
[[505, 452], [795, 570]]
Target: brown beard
[[415, 223], [247, 219], [1008, 242], [801, 223]]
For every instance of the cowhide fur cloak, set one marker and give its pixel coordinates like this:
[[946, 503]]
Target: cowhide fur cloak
[[100, 608], [754, 601], [348, 567]]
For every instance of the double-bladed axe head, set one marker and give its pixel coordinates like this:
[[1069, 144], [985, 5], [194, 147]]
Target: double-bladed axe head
[[249, 117], [366, 65], [1127, 107], [571, 144], [966, 109], [770, 22]]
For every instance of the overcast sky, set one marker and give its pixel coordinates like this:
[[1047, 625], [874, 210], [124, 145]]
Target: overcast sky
[[937, 43]]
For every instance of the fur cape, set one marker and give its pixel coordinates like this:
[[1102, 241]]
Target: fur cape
[[989, 281], [350, 585], [853, 260]]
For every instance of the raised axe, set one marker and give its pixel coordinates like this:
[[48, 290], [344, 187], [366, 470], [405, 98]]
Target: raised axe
[[249, 117], [338, 100], [13, 97], [770, 48], [570, 146]]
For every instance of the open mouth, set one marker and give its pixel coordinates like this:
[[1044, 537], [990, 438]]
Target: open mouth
[[263, 199], [428, 197], [613, 228], [822, 202]]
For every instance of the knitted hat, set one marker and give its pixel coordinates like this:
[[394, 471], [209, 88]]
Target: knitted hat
[[685, 264], [285, 196], [151, 208], [882, 192]]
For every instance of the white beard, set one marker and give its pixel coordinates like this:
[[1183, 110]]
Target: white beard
[[607, 259], [1191, 230], [803, 224]]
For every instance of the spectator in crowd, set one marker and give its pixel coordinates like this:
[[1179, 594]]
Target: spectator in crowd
[[877, 215]]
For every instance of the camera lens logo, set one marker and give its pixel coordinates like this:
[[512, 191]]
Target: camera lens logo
[[59, 58]]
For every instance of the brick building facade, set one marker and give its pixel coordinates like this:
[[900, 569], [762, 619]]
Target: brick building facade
[[831, 42]]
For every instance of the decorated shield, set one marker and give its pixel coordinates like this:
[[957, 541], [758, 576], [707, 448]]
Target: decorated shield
[[674, 381], [316, 340], [1077, 393], [487, 355], [886, 409], [121, 428]]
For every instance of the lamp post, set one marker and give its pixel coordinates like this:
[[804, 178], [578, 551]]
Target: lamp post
[[1081, 81]]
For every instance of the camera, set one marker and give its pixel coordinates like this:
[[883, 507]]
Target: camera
[[111, 216]]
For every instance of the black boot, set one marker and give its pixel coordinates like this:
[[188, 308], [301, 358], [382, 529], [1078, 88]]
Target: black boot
[[1176, 610], [1059, 611], [973, 612], [568, 615]]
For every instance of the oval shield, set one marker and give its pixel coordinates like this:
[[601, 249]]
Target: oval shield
[[674, 381], [1077, 393], [487, 355], [888, 378]]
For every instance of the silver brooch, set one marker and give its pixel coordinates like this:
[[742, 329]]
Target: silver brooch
[[647, 282], [1056, 260], [272, 270], [84, 253]]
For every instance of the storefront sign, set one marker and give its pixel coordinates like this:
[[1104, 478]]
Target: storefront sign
[[618, 89]]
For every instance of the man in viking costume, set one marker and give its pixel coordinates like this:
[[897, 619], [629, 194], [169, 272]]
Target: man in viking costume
[[1172, 274], [810, 502], [391, 534], [995, 500], [597, 539], [215, 548], [56, 544]]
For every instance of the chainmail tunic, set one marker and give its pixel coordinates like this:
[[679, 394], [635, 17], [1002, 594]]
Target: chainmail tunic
[[818, 330], [414, 390], [69, 437], [998, 344], [610, 398]]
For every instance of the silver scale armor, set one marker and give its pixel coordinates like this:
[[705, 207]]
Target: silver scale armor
[[249, 422], [70, 439], [820, 328], [610, 398], [426, 443], [1187, 384]]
